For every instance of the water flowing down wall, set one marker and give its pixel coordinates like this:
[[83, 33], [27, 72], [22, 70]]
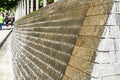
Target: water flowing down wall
[[68, 40]]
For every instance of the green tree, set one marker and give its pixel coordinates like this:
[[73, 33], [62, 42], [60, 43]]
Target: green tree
[[8, 4], [41, 3], [50, 1]]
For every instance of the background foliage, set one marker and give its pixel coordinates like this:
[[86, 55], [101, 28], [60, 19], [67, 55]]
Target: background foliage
[[7, 4], [10, 4]]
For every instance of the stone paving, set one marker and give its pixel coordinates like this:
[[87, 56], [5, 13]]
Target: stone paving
[[5, 56]]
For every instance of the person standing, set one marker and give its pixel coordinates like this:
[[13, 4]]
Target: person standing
[[7, 20], [1, 20]]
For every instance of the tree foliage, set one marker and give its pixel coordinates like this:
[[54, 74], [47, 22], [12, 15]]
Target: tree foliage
[[50, 1], [8, 4]]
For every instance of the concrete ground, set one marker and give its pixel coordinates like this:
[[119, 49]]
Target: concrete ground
[[7, 28], [6, 72]]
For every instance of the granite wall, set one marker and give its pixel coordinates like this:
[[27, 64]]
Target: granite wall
[[59, 41]]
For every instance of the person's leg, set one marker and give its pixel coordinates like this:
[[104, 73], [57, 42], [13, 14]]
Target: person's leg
[[6, 24], [0, 26]]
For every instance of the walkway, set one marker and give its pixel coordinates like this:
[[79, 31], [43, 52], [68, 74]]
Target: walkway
[[5, 56]]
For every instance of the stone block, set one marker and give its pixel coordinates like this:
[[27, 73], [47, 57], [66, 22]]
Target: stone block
[[80, 64], [111, 31], [116, 8], [84, 53], [114, 77], [91, 30], [75, 74], [108, 45], [98, 2], [113, 19], [95, 20], [88, 42], [106, 57], [66, 78], [100, 9], [101, 70]]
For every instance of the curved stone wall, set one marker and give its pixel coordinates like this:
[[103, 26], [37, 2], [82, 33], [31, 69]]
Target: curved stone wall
[[60, 41]]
